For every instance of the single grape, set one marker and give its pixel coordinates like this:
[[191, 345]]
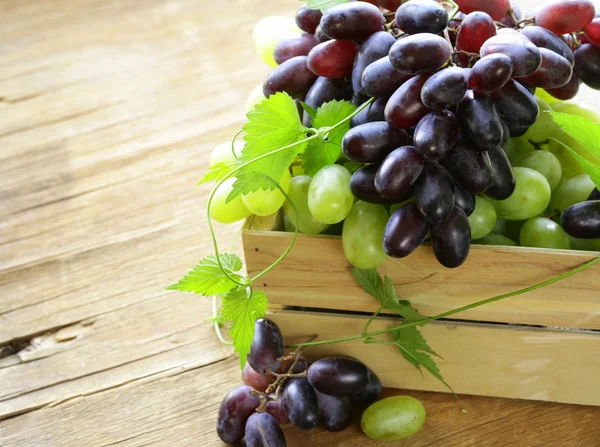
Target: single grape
[[451, 240], [370, 393], [464, 200], [276, 409], [491, 73], [329, 196], [543, 233], [475, 29], [480, 120], [574, 190], [335, 412], [436, 134], [592, 32], [469, 167], [555, 71], [544, 38], [374, 112], [422, 16], [398, 172], [516, 148], [224, 154], [298, 194], [497, 9], [362, 185], [363, 233], [568, 91], [530, 198], [496, 239], [563, 17], [308, 19], [301, 404], [517, 107], [587, 65], [267, 202], [503, 179], [393, 418], [352, 21], [292, 77], [405, 231], [267, 346], [419, 53], [270, 30], [338, 376], [255, 97], [372, 142], [333, 59], [405, 109], [296, 46], [262, 430], [259, 382], [483, 219], [434, 193], [380, 79], [236, 408], [445, 88], [374, 48], [525, 56], [325, 90], [224, 212], [543, 162]]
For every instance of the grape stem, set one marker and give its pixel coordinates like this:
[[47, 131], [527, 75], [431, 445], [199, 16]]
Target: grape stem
[[455, 9], [455, 311]]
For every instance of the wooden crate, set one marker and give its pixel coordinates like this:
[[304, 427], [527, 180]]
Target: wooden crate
[[544, 345]]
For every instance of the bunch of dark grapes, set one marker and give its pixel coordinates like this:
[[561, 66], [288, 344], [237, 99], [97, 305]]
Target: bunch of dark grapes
[[282, 389], [449, 92]]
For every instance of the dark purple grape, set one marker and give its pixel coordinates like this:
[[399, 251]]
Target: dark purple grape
[[321, 36], [325, 90], [338, 376], [359, 99], [495, 8], [490, 73], [568, 91], [544, 38], [333, 59], [436, 134], [297, 46], [373, 112], [470, 168], [292, 77], [420, 53], [421, 16], [308, 19], [335, 412], [352, 21], [451, 240], [445, 88], [480, 120], [587, 65], [398, 172], [262, 430], [267, 346], [370, 393], [259, 382], [301, 404], [464, 200], [235, 410], [503, 177], [505, 133], [405, 109], [595, 195], [525, 56], [582, 220], [372, 49], [555, 71], [475, 29], [300, 366], [405, 231], [362, 185], [517, 107], [276, 409], [434, 193], [380, 79], [372, 142]]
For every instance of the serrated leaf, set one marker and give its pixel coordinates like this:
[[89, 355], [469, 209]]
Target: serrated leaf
[[590, 168], [208, 279], [321, 153], [370, 281], [403, 308], [309, 110], [273, 124], [216, 173], [242, 311], [324, 5]]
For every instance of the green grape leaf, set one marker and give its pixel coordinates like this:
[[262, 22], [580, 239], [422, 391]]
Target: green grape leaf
[[208, 279], [242, 310], [587, 134], [216, 173], [324, 5], [273, 124], [309, 110], [370, 281], [321, 153]]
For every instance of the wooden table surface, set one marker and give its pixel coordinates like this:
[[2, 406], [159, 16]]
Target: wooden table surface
[[108, 110]]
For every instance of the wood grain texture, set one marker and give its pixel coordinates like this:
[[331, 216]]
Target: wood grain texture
[[108, 110]]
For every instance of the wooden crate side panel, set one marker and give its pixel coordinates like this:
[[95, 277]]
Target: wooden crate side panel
[[479, 359], [317, 274]]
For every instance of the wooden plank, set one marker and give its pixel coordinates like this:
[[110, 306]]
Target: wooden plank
[[317, 274], [480, 359]]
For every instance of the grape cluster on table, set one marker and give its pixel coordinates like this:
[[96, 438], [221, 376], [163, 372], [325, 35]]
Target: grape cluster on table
[[281, 390]]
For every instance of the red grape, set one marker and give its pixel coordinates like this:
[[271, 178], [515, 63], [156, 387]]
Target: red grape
[[475, 30], [495, 8], [257, 381], [308, 19], [592, 32], [297, 46], [276, 409], [292, 77], [420, 53], [543, 38], [451, 240], [333, 59], [352, 21], [565, 16], [390, 5], [398, 172], [434, 193], [405, 231], [568, 91], [555, 71], [405, 108], [372, 142], [525, 56], [491, 73]]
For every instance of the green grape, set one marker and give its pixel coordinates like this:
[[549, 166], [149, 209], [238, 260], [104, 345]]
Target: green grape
[[545, 163], [500, 227], [298, 194], [543, 233], [572, 108], [223, 154], [574, 190], [483, 218], [517, 147], [227, 212], [393, 418], [531, 196], [584, 244], [496, 239], [546, 97], [544, 127], [267, 202], [362, 235], [255, 97], [570, 166], [270, 30], [329, 196]]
